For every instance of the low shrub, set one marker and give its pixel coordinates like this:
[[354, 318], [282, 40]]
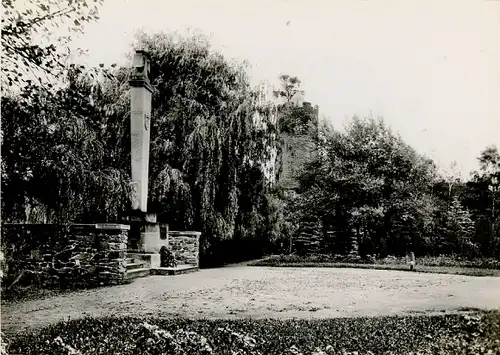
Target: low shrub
[[442, 261], [275, 260], [443, 334]]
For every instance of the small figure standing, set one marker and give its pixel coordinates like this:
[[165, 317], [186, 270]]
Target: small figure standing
[[412, 261]]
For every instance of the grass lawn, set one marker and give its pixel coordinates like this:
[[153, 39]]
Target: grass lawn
[[476, 332], [425, 265]]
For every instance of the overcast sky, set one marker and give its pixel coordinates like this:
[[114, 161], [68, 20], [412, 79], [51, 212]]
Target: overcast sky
[[430, 68]]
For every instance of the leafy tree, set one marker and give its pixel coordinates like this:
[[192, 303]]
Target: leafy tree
[[489, 161], [490, 167], [458, 230], [453, 181], [41, 136], [289, 86], [297, 119], [369, 180], [482, 198], [61, 154], [293, 119], [30, 44]]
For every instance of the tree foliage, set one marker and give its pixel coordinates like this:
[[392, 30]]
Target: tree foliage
[[213, 136], [297, 120], [61, 155], [481, 196], [293, 119], [289, 87], [52, 159], [368, 183], [367, 179], [31, 45], [458, 230]]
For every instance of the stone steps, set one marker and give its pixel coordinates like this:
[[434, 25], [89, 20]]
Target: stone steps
[[181, 269], [139, 272], [138, 267], [135, 268], [134, 265]]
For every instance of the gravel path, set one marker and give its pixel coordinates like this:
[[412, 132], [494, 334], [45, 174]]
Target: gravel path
[[262, 292]]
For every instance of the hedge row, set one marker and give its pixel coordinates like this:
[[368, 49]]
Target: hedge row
[[441, 261]]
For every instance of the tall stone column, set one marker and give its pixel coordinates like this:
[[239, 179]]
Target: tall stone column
[[144, 236], [140, 117]]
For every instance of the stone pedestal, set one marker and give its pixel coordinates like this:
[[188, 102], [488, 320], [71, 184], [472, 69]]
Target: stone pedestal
[[150, 260], [147, 236], [151, 239]]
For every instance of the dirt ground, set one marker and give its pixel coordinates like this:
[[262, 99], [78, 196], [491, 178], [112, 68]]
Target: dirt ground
[[265, 292]]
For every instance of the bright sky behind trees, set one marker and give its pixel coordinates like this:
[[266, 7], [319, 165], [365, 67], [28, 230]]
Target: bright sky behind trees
[[430, 68]]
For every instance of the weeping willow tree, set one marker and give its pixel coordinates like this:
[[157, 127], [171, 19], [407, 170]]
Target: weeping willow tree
[[213, 135], [212, 155], [213, 148]]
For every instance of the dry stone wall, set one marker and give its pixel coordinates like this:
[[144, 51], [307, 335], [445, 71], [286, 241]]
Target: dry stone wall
[[79, 255], [185, 245], [112, 242]]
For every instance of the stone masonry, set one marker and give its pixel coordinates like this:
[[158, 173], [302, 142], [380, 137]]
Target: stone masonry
[[185, 245], [79, 255], [112, 239]]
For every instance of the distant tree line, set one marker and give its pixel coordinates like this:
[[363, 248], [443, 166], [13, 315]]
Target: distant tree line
[[366, 185]]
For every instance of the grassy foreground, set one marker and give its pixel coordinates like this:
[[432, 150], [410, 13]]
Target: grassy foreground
[[425, 265], [477, 332]]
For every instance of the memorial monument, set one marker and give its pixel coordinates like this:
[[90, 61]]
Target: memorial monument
[[140, 117], [145, 236]]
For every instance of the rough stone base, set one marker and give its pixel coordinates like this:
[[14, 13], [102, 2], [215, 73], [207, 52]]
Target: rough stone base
[[181, 269], [151, 260]]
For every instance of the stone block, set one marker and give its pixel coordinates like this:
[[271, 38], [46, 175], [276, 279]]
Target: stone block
[[117, 254], [150, 260], [112, 238], [112, 227], [113, 246], [185, 245]]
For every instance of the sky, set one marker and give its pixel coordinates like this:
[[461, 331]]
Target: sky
[[430, 68]]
